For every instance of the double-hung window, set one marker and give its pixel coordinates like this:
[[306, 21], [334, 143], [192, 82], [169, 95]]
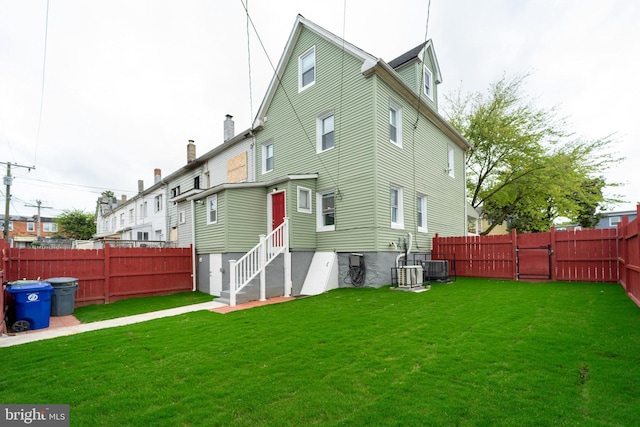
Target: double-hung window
[[397, 211], [267, 157], [212, 209], [31, 227], [395, 124], [307, 69], [158, 203], [427, 82], [450, 161], [326, 211], [325, 132], [421, 210]]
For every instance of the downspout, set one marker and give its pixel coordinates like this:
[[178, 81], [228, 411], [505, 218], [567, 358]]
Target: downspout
[[193, 245]]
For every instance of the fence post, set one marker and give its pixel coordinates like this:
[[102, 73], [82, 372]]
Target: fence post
[[263, 261], [107, 272], [514, 252], [232, 282], [288, 285], [435, 245], [554, 274]]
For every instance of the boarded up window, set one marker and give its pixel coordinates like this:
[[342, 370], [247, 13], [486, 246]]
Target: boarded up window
[[237, 168]]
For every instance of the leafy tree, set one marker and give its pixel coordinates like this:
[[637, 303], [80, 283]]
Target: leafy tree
[[524, 165], [76, 224]]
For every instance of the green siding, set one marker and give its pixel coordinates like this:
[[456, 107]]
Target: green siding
[[363, 164], [240, 222], [349, 163], [411, 73], [418, 167], [302, 225]]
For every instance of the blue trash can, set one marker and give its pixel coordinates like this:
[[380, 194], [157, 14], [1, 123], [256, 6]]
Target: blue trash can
[[32, 304]]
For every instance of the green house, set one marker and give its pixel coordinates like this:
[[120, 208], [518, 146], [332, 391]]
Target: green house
[[353, 152]]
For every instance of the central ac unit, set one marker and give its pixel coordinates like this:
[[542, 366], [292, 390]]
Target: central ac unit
[[410, 275], [436, 270]]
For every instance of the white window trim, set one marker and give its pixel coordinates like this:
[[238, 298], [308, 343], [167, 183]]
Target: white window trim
[[399, 224], [424, 204], [398, 109], [157, 203], [451, 161], [31, 227], [264, 156], [212, 197], [315, 69], [427, 75], [614, 220], [319, 220], [319, 122], [182, 216], [308, 191]]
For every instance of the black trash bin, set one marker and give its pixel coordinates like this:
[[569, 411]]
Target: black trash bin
[[64, 295]]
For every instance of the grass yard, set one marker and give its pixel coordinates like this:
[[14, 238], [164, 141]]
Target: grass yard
[[475, 352], [132, 306]]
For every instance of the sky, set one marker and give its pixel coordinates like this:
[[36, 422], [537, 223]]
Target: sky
[[123, 85]]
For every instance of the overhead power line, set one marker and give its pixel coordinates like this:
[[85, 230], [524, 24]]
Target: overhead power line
[[44, 68], [286, 94]]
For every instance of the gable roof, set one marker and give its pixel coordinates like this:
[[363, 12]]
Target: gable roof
[[370, 65], [418, 53], [286, 55]]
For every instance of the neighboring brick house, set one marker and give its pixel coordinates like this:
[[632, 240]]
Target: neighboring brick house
[[25, 230]]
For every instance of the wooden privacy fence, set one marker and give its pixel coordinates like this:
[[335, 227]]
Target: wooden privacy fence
[[629, 243], [585, 256], [601, 255], [105, 275]]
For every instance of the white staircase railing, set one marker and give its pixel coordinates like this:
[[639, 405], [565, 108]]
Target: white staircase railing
[[254, 263]]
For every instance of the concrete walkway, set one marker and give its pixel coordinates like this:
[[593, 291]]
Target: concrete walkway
[[30, 336], [69, 325]]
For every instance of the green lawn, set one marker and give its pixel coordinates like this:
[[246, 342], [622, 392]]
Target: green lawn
[[475, 352], [131, 306]]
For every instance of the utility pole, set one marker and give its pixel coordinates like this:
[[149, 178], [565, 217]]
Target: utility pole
[[39, 206], [8, 180]]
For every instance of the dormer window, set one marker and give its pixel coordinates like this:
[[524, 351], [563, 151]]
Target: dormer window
[[428, 82], [307, 69]]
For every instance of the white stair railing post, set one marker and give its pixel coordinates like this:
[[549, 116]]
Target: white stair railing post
[[288, 285], [263, 262], [232, 282]]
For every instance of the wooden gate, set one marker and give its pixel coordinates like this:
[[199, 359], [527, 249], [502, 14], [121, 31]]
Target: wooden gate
[[533, 256]]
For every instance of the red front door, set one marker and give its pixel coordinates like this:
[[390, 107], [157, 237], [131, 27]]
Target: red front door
[[277, 209]]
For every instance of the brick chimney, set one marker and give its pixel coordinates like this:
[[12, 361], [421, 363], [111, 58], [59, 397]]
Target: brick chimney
[[124, 198], [228, 127], [191, 151], [140, 186], [157, 175]]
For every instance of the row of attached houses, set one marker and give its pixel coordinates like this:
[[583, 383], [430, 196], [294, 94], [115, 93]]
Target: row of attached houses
[[350, 149], [26, 231]]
